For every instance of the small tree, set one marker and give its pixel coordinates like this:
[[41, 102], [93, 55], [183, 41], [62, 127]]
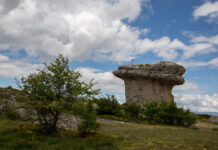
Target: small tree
[[88, 125], [52, 90]]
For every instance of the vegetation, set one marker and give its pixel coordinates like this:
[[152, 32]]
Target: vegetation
[[131, 111], [152, 112], [143, 137], [52, 90], [56, 90], [108, 106], [22, 136], [203, 116], [17, 135], [167, 113], [88, 125]]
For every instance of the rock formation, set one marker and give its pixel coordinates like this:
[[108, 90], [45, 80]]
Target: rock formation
[[145, 82]]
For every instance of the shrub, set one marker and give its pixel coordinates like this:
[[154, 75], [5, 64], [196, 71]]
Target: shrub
[[88, 125], [108, 106], [9, 110], [168, 113], [12, 114], [150, 112], [131, 111], [203, 116]]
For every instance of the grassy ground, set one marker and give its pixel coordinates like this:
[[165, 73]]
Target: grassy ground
[[139, 137], [16, 135]]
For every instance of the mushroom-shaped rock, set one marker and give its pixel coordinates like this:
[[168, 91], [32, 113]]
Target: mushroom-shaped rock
[[150, 82]]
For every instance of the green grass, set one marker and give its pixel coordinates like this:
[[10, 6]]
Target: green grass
[[17, 135], [139, 137]]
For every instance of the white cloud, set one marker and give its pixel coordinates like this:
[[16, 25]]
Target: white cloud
[[199, 45], [16, 68], [106, 81], [211, 63], [198, 49], [203, 39], [187, 87], [4, 58], [198, 102], [82, 29], [208, 9], [76, 28]]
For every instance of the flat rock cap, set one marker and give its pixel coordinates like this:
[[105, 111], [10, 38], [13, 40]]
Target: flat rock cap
[[163, 71]]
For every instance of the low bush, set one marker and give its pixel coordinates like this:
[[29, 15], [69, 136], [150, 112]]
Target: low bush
[[215, 129], [108, 106], [131, 111], [12, 114], [88, 126], [203, 116], [167, 113]]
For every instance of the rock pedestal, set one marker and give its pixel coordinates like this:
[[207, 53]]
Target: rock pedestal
[[150, 82]]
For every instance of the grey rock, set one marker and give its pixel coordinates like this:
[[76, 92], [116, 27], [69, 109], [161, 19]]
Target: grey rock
[[150, 82]]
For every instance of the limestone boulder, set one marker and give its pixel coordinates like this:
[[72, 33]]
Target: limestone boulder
[[150, 82]]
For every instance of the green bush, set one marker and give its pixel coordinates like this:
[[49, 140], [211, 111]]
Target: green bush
[[108, 106], [78, 108], [131, 111], [167, 113], [12, 114], [150, 112], [203, 116], [88, 126]]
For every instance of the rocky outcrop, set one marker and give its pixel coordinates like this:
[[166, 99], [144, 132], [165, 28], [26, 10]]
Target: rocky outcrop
[[150, 82]]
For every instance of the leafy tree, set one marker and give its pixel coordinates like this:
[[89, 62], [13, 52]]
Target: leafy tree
[[52, 90]]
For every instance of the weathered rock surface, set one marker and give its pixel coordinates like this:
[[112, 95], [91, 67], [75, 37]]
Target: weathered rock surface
[[150, 82]]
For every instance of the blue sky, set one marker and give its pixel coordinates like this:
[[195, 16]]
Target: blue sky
[[99, 35]]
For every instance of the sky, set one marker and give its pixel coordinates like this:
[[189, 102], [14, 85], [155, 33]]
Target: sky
[[99, 35]]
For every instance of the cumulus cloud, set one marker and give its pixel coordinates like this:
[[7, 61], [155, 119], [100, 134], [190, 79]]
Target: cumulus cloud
[[208, 9], [16, 68], [187, 87], [204, 39], [211, 63], [83, 29], [106, 81], [76, 28], [198, 49], [3, 58], [199, 45], [6, 6], [198, 102]]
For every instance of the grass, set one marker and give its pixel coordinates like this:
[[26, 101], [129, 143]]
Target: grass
[[17, 135], [139, 137]]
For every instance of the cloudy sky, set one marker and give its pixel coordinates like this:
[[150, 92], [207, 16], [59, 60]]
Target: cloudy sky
[[99, 35]]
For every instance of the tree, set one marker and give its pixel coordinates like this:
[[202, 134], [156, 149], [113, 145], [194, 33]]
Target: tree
[[52, 90], [88, 125]]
